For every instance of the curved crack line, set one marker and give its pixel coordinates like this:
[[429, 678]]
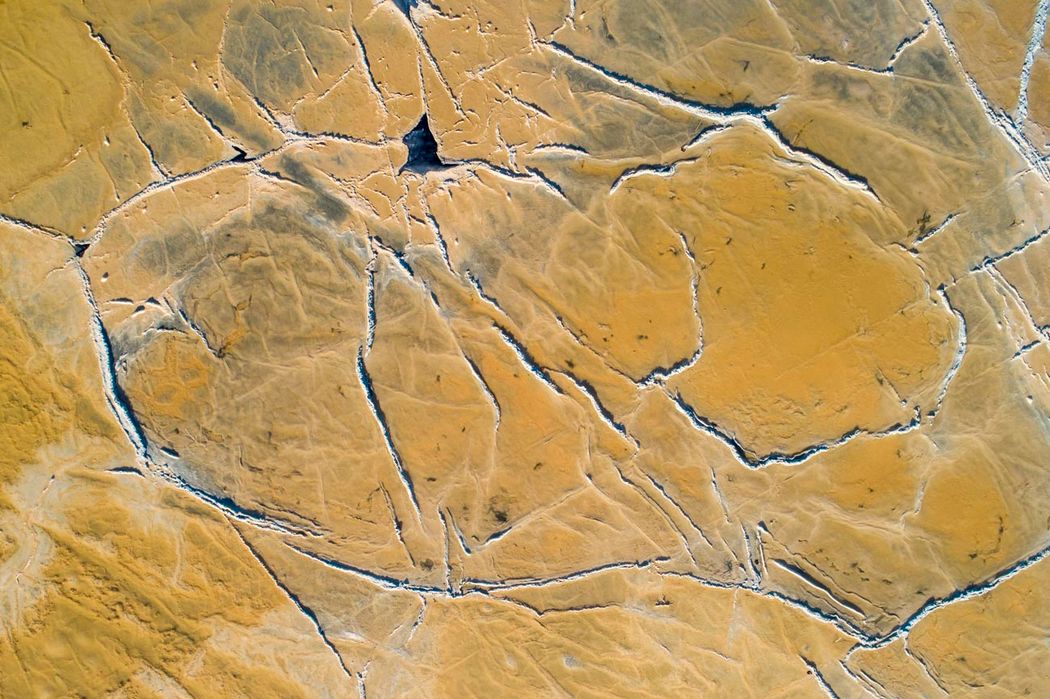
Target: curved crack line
[[660, 375], [865, 682], [670, 168], [486, 389], [115, 397], [101, 40], [387, 582], [124, 414], [121, 408], [230, 508], [887, 70], [748, 459], [31, 227], [963, 594], [238, 160]]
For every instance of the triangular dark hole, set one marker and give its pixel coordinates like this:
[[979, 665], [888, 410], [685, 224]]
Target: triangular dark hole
[[422, 149], [405, 6]]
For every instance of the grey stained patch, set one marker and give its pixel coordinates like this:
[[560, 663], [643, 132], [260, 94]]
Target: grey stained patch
[[308, 305], [842, 29], [275, 52], [327, 204], [616, 113], [223, 119]]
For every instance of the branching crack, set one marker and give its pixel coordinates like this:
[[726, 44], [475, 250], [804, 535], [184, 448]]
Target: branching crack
[[738, 113]]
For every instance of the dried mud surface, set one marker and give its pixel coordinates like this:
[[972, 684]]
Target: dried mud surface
[[436, 348]]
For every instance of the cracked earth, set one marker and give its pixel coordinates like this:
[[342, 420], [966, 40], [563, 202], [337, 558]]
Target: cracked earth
[[449, 348]]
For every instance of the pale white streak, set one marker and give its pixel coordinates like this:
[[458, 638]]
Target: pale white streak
[[1035, 42], [1000, 121]]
